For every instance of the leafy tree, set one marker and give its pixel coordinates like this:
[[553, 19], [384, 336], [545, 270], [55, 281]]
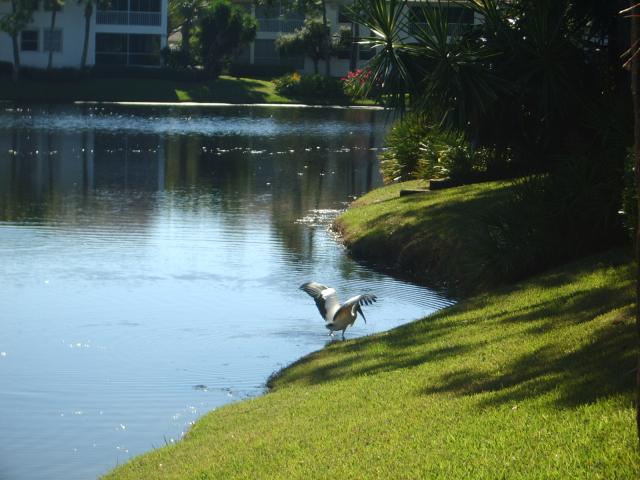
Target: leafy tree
[[308, 40], [311, 9], [224, 28], [184, 14], [13, 22]]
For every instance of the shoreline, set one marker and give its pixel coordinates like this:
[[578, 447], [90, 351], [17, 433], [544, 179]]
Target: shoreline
[[224, 104]]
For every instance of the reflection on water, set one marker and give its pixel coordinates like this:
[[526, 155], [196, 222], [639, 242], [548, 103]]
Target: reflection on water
[[150, 261]]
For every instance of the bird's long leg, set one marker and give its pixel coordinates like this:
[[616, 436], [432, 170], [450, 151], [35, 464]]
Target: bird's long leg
[[343, 333]]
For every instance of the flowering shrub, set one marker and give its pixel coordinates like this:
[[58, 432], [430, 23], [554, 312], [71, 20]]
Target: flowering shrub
[[355, 83], [316, 88]]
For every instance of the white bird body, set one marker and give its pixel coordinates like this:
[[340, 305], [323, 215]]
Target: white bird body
[[337, 317]]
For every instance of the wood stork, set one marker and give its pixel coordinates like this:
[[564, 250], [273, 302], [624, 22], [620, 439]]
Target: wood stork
[[336, 316]]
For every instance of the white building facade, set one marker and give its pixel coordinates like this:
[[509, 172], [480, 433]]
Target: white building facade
[[274, 21], [121, 33]]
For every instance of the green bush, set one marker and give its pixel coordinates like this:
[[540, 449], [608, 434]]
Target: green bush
[[316, 88], [550, 219], [175, 59], [419, 150]]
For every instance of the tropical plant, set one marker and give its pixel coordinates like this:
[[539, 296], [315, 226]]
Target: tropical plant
[[55, 6], [419, 149], [12, 22], [184, 14], [224, 27]]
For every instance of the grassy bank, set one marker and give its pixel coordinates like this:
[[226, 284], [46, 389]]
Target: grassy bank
[[530, 381], [434, 237], [224, 89]]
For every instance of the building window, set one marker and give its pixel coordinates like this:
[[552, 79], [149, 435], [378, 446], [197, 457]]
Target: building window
[[111, 49], [264, 53], [29, 40], [52, 40], [145, 5], [127, 49], [144, 49]]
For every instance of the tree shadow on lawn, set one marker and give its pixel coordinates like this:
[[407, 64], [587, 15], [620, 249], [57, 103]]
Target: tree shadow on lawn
[[572, 372], [602, 368]]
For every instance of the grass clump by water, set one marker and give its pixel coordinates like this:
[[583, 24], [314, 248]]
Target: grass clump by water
[[529, 381], [434, 237]]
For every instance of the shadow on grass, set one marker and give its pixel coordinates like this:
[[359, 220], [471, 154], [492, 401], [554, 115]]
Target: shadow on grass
[[571, 372]]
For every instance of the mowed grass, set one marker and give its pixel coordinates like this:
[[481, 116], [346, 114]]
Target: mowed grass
[[532, 381], [432, 237], [126, 89]]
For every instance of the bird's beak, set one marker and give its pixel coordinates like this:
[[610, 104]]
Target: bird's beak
[[363, 317]]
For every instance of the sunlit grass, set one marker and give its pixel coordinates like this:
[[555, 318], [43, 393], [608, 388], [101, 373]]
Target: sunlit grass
[[530, 381]]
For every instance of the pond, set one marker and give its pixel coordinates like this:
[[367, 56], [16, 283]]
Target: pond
[[150, 261]]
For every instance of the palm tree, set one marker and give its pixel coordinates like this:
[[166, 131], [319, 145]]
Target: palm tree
[[88, 12], [12, 23], [55, 6]]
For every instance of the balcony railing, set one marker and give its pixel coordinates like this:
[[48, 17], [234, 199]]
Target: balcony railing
[[126, 17], [278, 25]]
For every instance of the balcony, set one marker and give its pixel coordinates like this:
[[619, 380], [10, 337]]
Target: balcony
[[278, 25], [127, 17]]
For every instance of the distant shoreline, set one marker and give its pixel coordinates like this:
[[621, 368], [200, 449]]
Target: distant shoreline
[[225, 104]]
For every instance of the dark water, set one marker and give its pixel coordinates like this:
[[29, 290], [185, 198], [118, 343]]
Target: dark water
[[149, 263]]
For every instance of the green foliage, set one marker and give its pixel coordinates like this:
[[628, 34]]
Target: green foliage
[[550, 219], [522, 81], [316, 88], [176, 59], [18, 17], [224, 27], [310, 40], [418, 149]]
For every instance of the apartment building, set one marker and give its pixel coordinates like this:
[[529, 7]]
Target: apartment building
[[274, 21], [121, 33]]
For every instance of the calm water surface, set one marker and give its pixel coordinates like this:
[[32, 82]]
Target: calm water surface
[[150, 260]]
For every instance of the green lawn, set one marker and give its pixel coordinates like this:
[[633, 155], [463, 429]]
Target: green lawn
[[225, 89], [533, 381], [528, 381]]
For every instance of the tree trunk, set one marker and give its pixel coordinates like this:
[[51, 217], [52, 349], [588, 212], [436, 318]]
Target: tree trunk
[[15, 71], [355, 47], [327, 58], [88, 12], [315, 66], [185, 30], [635, 92], [54, 11]]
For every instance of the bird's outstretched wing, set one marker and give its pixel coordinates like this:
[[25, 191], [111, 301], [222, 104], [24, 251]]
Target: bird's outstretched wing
[[358, 300], [325, 298]]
